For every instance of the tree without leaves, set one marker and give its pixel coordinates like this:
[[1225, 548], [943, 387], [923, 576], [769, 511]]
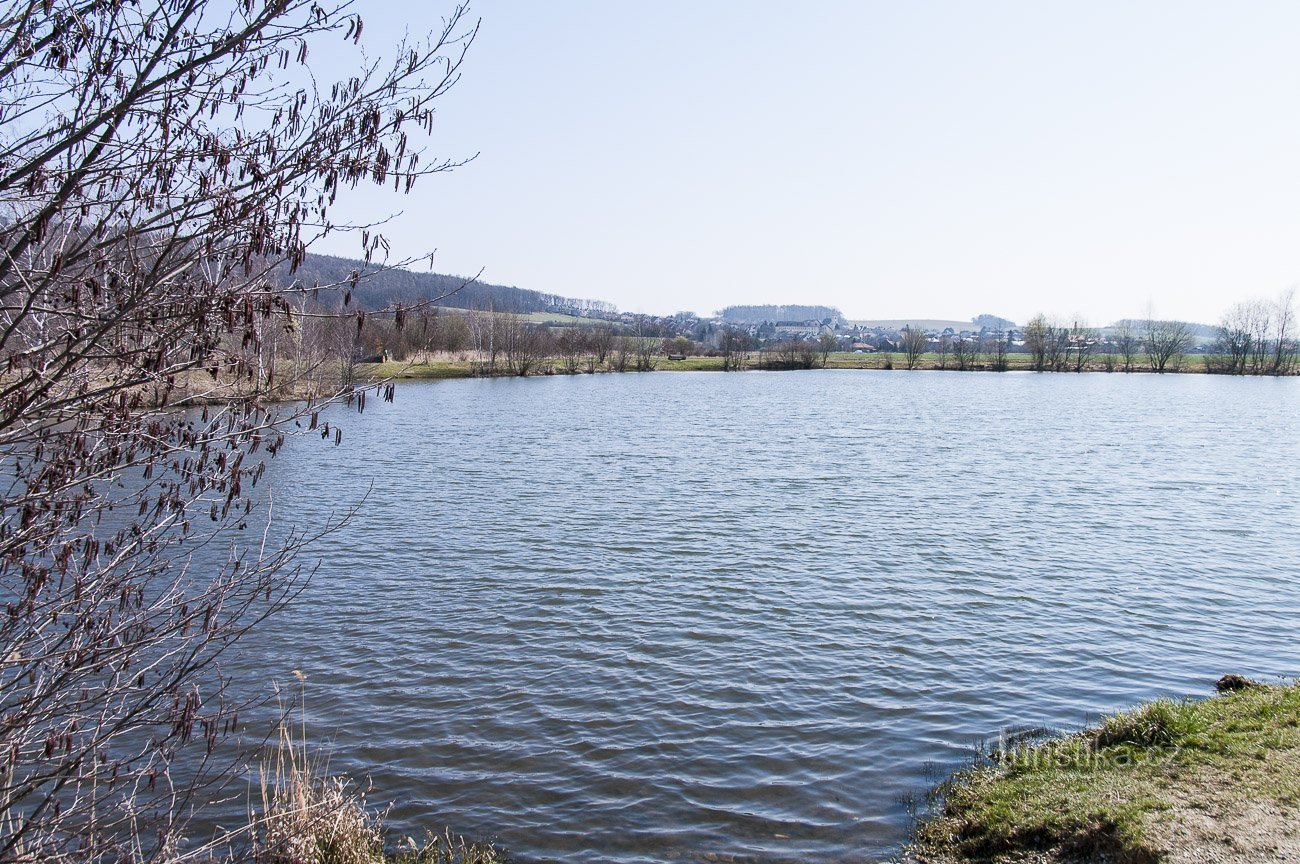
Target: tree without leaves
[[451, 334], [1258, 319], [1232, 350], [601, 342], [1127, 344], [624, 348], [646, 347], [1058, 347], [1165, 343], [965, 351], [570, 344], [915, 343], [508, 334], [792, 354], [734, 344], [1082, 343], [158, 162], [996, 347], [1284, 338], [540, 345], [1036, 338], [826, 342], [1048, 343], [1256, 337], [483, 337], [526, 348]]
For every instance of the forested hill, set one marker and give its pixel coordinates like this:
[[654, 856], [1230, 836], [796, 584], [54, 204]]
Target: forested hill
[[379, 290], [751, 314]]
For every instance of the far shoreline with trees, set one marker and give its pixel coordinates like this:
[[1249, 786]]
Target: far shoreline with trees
[[1254, 339], [394, 323]]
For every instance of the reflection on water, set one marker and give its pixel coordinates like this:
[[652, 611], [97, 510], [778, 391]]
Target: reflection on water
[[674, 616]]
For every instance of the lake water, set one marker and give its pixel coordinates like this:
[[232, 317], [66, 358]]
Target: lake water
[[656, 617]]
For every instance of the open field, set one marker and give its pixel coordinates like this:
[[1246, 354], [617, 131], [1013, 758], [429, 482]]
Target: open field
[[556, 318], [552, 318], [398, 369], [1178, 781]]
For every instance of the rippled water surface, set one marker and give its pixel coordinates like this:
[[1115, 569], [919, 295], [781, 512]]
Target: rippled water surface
[[669, 616]]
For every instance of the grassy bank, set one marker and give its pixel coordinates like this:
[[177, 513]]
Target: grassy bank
[[1216, 779], [930, 362]]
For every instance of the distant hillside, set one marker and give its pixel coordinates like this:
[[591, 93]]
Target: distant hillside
[[993, 322], [378, 290], [754, 314], [1202, 332]]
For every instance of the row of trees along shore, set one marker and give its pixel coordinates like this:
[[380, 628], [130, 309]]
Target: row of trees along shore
[[161, 162], [1258, 337], [1255, 338]]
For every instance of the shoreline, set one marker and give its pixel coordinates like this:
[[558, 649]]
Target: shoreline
[[453, 369], [1215, 779], [370, 375]]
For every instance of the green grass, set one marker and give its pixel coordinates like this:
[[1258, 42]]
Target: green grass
[[691, 364], [399, 369], [556, 318], [1098, 791], [838, 360]]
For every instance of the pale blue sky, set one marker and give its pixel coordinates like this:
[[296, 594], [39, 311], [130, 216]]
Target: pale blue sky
[[896, 159]]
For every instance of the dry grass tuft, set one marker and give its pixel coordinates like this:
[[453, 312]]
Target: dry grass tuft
[[309, 817]]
